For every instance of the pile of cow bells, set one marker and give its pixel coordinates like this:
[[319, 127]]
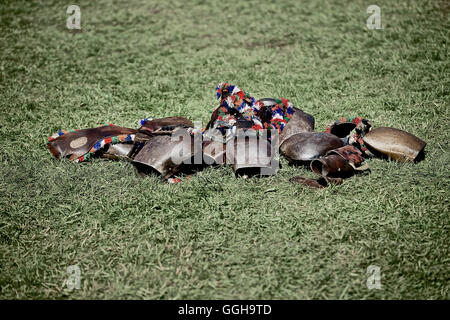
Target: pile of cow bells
[[335, 154]]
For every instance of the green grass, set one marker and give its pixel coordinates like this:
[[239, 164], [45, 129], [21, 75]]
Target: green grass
[[216, 236]]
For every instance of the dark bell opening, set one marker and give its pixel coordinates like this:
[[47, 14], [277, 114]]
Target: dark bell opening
[[249, 172], [317, 166], [343, 129]]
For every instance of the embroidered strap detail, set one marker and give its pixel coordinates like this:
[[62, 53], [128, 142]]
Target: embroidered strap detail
[[63, 132], [235, 103], [100, 144], [362, 126]]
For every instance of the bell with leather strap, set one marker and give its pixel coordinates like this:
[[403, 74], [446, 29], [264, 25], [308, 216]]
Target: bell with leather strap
[[300, 121], [75, 144], [337, 164], [160, 126], [166, 154], [340, 162], [165, 124], [306, 146]]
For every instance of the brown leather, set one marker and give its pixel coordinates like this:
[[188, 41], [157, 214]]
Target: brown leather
[[340, 162], [307, 146], [311, 183], [158, 153], [335, 165], [212, 120], [320, 183], [73, 145], [394, 143], [165, 124], [331, 165], [353, 157]]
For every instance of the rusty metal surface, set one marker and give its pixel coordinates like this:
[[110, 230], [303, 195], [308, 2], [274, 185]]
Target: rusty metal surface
[[158, 153]]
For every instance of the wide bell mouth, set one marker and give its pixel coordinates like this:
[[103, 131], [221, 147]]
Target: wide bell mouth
[[317, 166], [342, 130]]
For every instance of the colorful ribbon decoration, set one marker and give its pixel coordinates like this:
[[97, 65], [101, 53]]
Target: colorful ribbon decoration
[[357, 136], [234, 100], [98, 145]]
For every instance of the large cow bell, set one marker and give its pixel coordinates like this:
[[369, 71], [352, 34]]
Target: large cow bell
[[306, 146], [395, 144]]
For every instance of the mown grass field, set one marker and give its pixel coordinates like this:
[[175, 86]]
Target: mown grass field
[[216, 236]]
